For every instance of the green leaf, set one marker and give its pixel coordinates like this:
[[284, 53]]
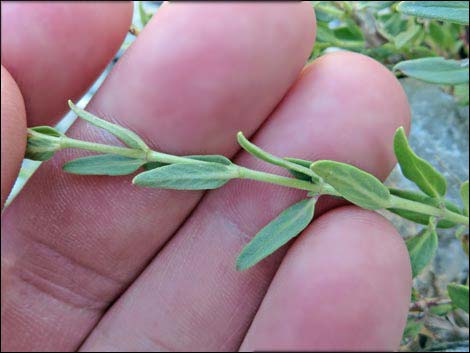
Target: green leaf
[[464, 196], [187, 176], [440, 35], [103, 164], [354, 184], [407, 36], [349, 36], [422, 249], [459, 295], [128, 137], [436, 70], [452, 11], [412, 328], [391, 25], [440, 309], [42, 143], [277, 233], [416, 169], [303, 163], [326, 12]]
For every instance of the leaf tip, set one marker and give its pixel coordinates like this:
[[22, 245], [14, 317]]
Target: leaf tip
[[240, 266], [135, 180], [240, 137], [71, 105]]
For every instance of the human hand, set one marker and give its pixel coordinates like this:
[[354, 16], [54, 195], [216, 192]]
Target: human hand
[[98, 264]]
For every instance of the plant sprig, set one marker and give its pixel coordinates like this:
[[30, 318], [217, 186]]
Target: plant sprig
[[318, 178]]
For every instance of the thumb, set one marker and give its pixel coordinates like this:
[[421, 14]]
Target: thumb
[[13, 132]]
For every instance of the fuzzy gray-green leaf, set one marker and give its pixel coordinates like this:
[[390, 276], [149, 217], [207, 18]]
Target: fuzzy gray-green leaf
[[187, 176], [464, 196], [436, 70], [354, 184], [104, 164], [422, 249], [416, 169], [130, 138], [459, 295], [278, 232], [452, 11]]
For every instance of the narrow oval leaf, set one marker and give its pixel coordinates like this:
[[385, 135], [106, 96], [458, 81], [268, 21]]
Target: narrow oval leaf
[[354, 184], [407, 36], [459, 295], [435, 70], [186, 176], [277, 233], [440, 309], [452, 11], [422, 249], [303, 163], [464, 196], [416, 169], [128, 137], [422, 198], [104, 164]]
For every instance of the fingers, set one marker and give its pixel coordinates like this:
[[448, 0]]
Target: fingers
[[13, 132], [56, 50], [346, 107], [86, 238], [344, 285]]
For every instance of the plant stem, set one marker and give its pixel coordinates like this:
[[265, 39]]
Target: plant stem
[[268, 157], [98, 147], [244, 173], [424, 304], [443, 213], [324, 189]]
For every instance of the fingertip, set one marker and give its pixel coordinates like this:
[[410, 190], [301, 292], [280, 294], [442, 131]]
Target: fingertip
[[61, 51], [13, 132], [356, 67], [344, 285], [361, 108]]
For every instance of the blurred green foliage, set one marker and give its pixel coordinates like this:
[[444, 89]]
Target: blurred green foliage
[[394, 32]]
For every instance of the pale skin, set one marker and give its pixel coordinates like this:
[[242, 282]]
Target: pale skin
[[95, 263]]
